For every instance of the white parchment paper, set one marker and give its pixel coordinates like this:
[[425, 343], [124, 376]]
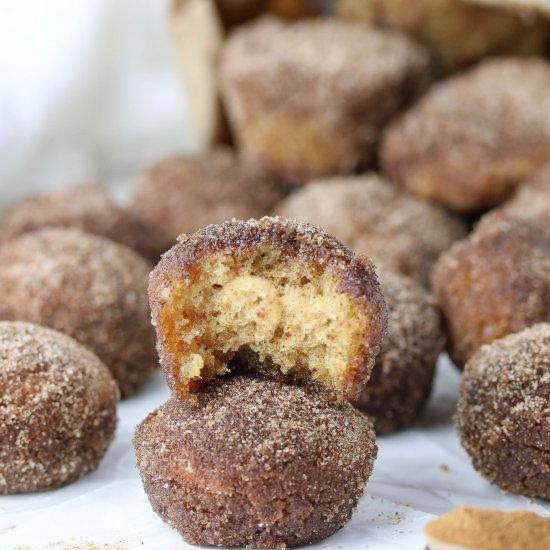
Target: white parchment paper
[[419, 473], [96, 100]]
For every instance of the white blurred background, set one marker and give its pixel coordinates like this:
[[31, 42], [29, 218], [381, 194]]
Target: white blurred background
[[88, 92]]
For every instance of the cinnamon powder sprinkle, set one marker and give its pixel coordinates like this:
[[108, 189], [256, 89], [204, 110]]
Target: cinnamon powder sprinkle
[[478, 529]]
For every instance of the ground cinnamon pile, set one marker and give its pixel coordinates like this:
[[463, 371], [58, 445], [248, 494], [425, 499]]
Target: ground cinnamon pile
[[489, 530]]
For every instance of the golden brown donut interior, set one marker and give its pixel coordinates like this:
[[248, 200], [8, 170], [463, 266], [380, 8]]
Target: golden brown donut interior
[[256, 305]]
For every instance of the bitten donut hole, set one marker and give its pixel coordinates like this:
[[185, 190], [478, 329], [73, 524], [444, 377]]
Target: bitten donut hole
[[261, 306]]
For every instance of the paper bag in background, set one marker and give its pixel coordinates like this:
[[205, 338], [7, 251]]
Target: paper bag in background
[[457, 33]]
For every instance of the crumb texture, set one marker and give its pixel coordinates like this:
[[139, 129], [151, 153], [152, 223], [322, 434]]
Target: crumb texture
[[503, 416], [255, 462], [57, 409], [88, 287], [271, 291]]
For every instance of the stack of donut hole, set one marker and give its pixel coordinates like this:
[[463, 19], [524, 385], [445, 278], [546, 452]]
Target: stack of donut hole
[[264, 328]]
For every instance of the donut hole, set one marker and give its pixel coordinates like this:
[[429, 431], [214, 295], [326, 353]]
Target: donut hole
[[286, 314], [297, 147]]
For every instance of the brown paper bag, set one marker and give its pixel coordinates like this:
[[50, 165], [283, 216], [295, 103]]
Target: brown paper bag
[[196, 34]]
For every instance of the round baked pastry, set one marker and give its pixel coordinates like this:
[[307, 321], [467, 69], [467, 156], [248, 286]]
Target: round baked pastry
[[455, 32], [255, 462], [182, 194], [88, 287], [502, 417], [532, 200], [402, 376], [269, 291], [473, 138], [399, 231], [57, 410], [87, 207], [494, 283], [299, 110]]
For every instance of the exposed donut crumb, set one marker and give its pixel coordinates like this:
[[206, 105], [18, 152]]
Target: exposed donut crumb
[[273, 291]]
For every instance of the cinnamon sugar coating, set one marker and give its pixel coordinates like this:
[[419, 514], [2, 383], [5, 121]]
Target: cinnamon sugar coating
[[301, 110], [473, 138], [503, 415], [399, 231], [273, 291], [88, 287], [86, 207], [58, 409], [182, 194], [532, 199], [255, 462], [455, 32], [402, 376], [494, 283]]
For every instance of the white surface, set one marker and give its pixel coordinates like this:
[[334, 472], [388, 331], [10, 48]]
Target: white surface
[[419, 473], [88, 92]]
